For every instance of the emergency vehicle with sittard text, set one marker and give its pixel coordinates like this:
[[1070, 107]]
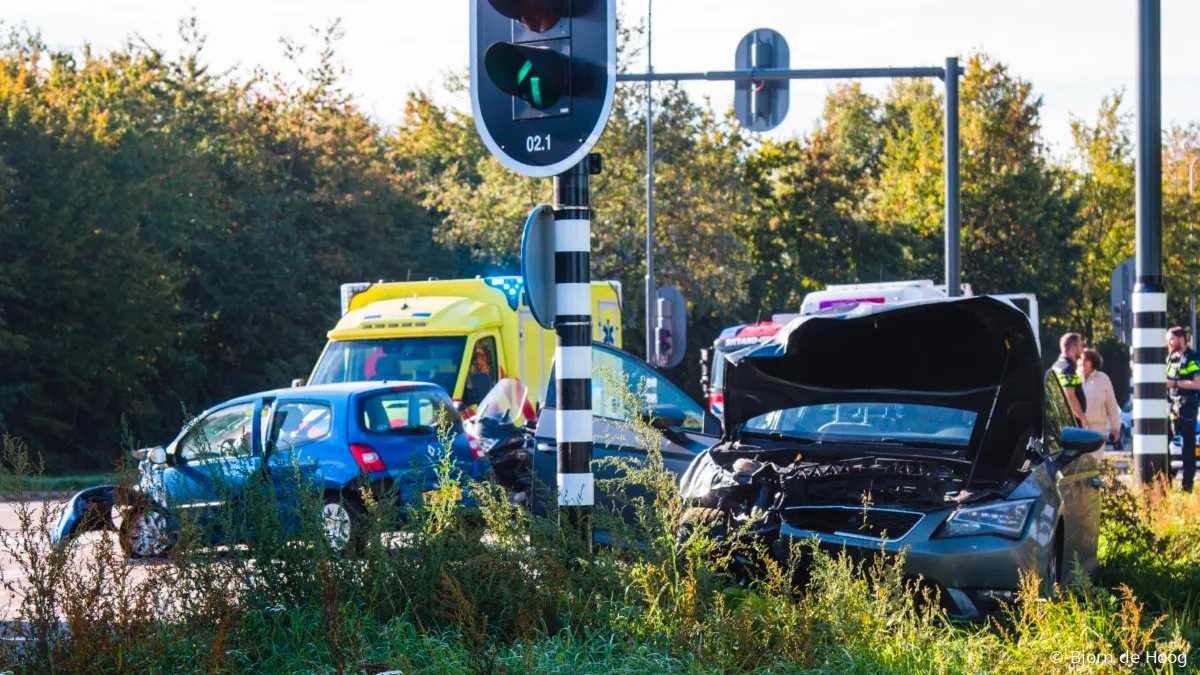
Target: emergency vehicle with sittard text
[[736, 338]]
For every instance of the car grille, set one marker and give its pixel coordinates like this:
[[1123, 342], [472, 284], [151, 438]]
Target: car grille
[[854, 521]]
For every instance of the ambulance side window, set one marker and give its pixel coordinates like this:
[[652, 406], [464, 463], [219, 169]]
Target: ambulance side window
[[483, 371]]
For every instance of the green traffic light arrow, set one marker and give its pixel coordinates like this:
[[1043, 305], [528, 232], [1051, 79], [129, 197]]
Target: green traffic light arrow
[[536, 90]]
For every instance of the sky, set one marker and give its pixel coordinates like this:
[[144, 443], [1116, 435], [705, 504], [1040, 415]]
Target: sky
[[1074, 52]]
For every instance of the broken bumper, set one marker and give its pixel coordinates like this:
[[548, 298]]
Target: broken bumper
[[971, 573], [90, 509]]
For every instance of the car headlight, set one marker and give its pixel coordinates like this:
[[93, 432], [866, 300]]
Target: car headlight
[[1003, 519]]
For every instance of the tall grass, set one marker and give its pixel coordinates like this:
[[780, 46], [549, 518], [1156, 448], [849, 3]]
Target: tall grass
[[258, 588]]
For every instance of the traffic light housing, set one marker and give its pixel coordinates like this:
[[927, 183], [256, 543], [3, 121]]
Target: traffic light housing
[[537, 75], [761, 105], [542, 80]]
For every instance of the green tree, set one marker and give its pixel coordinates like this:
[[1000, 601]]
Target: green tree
[[1104, 152], [170, 234], [1018, 208]]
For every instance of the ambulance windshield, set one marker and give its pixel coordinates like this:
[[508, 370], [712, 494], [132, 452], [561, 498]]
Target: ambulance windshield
[[421, 359]]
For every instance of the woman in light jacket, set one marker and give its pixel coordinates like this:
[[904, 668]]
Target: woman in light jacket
[[1102, 412]]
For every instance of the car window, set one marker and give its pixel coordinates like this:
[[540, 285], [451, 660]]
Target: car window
[[406, 410], [298, 423], [222, 434], [1058, 415], [631, 373]]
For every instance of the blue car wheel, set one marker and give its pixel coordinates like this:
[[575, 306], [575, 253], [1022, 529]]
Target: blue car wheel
[[341, 518], [146, 533]]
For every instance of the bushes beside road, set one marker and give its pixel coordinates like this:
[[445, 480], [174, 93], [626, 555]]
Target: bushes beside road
[[525, 598]]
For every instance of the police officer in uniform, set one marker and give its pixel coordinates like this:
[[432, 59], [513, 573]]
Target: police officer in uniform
[[1070, 347], [1184, 393]]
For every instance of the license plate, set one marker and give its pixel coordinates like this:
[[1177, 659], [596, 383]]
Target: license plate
[[434, 496]]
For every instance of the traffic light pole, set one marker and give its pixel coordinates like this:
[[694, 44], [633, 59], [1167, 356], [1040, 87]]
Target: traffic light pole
[[1149, 295], [953, 187], [573, 355], [651, 290], [951, 198]]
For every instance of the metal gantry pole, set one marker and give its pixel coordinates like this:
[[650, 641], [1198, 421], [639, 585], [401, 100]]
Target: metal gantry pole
[[651, 290], [573, 352], [952, 184], [1149, 294]]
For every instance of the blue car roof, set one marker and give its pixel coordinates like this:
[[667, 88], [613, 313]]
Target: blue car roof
[[330, 392]]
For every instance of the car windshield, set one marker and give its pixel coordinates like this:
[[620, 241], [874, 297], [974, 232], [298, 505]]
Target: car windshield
[[901, 423], [424, 359]]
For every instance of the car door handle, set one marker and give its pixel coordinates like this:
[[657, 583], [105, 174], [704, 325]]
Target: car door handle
[[1097, 481], [547, 447]]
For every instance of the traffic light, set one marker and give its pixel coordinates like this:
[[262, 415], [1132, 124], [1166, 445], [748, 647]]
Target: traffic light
[[761, 105], [542, 80], [539, 76]]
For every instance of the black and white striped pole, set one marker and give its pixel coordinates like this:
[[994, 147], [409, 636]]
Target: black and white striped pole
[[1149, 295], [573, 354]]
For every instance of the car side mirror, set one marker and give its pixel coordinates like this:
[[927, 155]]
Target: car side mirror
[[664, 417], [1080, 441]]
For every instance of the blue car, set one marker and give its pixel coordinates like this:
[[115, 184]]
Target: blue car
[[332, 434]]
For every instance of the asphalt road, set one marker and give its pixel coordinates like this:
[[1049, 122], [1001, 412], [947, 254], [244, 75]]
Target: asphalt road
[[14, 547]]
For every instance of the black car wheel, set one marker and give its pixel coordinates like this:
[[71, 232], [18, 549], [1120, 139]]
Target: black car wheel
[[1054, 565]]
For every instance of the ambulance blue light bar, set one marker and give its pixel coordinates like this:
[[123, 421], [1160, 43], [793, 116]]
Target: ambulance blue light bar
[[510, 286]]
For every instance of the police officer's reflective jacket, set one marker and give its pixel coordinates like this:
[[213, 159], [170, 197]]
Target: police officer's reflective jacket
[[1068, 377], [1183, 367]]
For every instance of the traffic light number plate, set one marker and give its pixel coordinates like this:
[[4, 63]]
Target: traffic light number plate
[[537, 143]]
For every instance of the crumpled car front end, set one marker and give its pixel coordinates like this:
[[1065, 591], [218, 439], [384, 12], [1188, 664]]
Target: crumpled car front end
[[908, 429], [971, 547], [97, 508]]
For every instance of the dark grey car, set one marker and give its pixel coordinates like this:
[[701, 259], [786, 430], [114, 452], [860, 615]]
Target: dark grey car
[[688, 428], [928, 427]]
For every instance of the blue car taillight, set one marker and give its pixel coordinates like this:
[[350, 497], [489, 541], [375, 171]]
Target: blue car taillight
[[368, 460]]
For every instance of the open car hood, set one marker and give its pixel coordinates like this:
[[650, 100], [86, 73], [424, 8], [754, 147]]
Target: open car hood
[[975, 354]]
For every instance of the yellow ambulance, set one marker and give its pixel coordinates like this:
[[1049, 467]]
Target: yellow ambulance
[[462, 334]]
